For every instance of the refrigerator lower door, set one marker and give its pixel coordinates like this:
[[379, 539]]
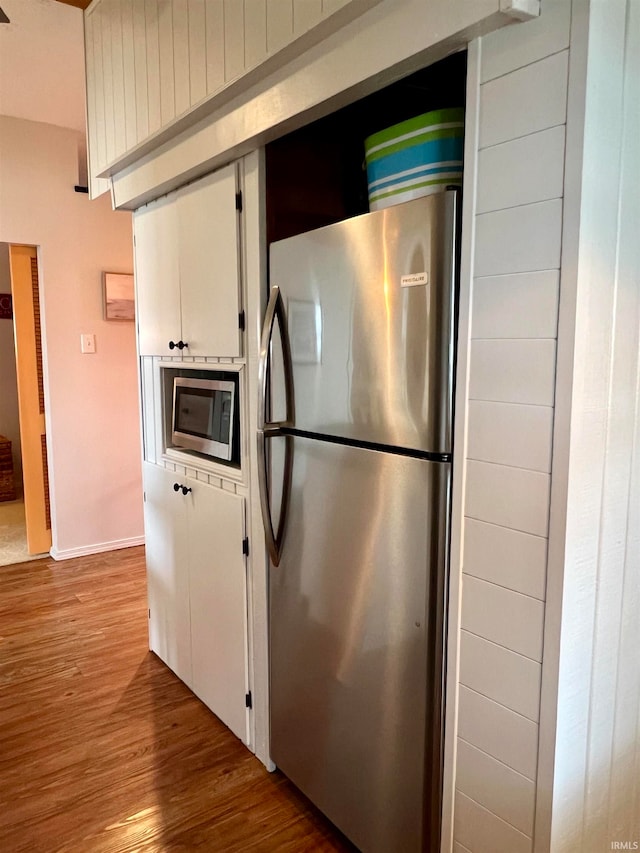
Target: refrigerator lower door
[[356, 629]]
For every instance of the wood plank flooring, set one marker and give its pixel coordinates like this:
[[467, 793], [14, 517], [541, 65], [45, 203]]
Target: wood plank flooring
[[103, 749]]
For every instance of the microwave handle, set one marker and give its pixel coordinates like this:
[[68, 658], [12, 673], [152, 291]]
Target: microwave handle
[[268, 430]]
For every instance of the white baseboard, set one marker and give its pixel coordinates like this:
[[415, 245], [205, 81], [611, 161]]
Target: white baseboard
[[70, 553]]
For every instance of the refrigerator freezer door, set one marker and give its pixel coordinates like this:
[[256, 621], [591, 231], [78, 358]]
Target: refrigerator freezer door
[[356, 641], [370, 316]]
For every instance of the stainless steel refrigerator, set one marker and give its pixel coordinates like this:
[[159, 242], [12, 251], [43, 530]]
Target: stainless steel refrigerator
[[355, 439]]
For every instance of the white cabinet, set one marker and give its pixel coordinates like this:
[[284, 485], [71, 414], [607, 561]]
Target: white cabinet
[[196, 576], [217, 585], [166, 536], [157, 276], [187, 270], [208, 242]]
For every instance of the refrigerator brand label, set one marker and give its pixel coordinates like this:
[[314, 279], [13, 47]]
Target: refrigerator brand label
[[414, 279]]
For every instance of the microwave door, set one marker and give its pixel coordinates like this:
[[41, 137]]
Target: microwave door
[[203, 416]]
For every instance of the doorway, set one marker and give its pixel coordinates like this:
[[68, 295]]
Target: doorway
[[25, 521]]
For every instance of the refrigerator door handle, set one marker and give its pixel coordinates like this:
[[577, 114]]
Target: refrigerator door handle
[[275, 311], [268, 430], [274, 539]]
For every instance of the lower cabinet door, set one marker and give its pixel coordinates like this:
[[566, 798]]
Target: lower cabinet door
[[217, 582], [165, 520]]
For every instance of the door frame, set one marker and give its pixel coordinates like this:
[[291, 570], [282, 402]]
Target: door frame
[[30, 346]]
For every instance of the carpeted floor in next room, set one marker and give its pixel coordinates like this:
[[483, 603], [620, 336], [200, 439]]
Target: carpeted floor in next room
[[13, 533]]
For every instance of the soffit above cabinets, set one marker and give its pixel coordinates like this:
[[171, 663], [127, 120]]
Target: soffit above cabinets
[[153, 71], [170, 100]]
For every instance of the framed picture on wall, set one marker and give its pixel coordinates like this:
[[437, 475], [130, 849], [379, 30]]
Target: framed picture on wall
[[118, 296]]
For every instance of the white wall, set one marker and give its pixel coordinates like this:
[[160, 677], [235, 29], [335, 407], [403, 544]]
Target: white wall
[[92, 400], [9, 418], [593, 775], [42, 63]]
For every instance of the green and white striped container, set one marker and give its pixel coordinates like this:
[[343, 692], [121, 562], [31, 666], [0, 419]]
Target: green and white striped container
[[414, 158]]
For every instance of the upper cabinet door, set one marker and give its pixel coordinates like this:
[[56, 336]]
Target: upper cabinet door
[[157, 277], [208, 225]]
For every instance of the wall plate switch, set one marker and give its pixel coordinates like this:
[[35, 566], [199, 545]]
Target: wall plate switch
[[87, 343]]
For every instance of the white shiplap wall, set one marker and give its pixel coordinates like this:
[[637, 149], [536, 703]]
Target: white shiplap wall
[[518, 229]]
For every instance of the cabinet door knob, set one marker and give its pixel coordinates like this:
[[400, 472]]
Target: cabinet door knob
[[177, 487], [172, 344], [182, 345]]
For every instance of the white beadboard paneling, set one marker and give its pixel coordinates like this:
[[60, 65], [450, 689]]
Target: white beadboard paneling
[[255, 31], [510, 497], [107, 70], [331, 6], [197, 51], [507, 736], [521, 44], [516, 306], [279, 24], [233, 39], [525, 101], [479, 830], [140, 69], [90, 84], [506, 557], [499, 674], [507, 618], [306, 14], [117, 59], [520, 239], [510, 434], [181, 67], [513, 371], [214, 32], [521, 171], [498, 788], [129, 65], [100, 151], [167, 71], [153, 64]]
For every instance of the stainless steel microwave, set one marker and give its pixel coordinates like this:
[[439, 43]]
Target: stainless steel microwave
[[203, 416]]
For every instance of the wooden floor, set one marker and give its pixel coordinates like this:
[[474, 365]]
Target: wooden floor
[[102, 748]]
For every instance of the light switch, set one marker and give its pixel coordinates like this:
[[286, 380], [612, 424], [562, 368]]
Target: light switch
[[87, 343]]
